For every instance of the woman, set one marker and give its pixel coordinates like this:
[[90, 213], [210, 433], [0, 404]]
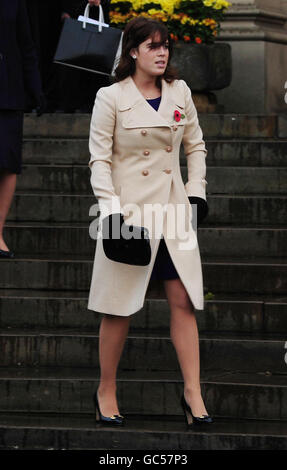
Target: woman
[[19, 82], [135, 160]]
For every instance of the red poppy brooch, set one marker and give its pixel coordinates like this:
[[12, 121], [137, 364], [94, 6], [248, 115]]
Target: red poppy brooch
[[178, 116]]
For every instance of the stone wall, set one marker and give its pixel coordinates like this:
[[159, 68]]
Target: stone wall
[[257, 33]]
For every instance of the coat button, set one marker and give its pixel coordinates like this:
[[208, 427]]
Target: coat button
[[175, 128], [167, 170], [145, 172], [144, 132], [168, 149], [146, 152]]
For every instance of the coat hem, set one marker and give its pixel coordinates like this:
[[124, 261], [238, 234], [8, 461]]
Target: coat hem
[[126, 314]]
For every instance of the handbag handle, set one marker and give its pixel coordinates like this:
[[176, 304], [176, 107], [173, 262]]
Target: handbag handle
[[101, 16]]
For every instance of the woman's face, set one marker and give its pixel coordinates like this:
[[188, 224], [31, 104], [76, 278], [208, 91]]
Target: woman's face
[[151, 58]]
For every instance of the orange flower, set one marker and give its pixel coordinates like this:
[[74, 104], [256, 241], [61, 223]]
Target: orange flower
[[198, 40], [186, 38]]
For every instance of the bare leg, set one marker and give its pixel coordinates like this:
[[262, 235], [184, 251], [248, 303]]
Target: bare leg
[[7, 189], [184, 335], [113, 332]]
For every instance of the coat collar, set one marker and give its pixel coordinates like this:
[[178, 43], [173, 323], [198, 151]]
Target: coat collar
[[141, 113]]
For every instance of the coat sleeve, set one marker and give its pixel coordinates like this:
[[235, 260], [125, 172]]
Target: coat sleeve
[[194, 149], [101, 149]]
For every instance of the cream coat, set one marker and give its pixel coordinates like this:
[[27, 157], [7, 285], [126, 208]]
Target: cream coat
[[135, 159]]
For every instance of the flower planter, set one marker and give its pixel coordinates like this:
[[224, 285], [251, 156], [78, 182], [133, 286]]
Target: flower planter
[[204, 67]]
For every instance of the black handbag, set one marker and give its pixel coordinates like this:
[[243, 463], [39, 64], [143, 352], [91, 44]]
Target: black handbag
[[95, 48], [122, 246]]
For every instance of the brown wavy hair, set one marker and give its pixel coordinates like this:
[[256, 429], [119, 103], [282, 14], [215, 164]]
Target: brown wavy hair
[[138, 30]]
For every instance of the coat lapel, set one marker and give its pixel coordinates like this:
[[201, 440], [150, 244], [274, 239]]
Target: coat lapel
[[137, 112]]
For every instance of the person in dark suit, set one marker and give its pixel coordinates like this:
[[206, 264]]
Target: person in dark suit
[[43, 14], [78, 87], [19, 81]]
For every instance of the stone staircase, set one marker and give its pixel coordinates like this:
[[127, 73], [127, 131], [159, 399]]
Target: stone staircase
[[49, 340]]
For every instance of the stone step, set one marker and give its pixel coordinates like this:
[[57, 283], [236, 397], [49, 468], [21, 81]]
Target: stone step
[[70, 390], [50, 238], [224, 209], [245, 153], [60, 151], [255, 352], [221, 275], [62, 125], [55, 178], [34, 309], [52, 151], [81, 432], [65, 238], [243, 241], [245, 209], [213, 125], [242, 180], [221, 180]]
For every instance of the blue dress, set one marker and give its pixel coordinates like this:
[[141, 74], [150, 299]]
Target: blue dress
[[163, 265]]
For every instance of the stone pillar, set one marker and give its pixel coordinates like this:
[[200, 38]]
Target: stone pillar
[[257, 33]]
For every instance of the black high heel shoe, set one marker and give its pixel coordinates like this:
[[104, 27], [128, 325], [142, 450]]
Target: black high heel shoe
[[190, 418], [6, 254], [117, 420]]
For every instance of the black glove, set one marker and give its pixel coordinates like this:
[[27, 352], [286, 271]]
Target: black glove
[[41, 104], [202, 207], [127, 244]]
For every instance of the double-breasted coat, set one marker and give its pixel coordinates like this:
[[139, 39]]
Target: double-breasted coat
[[135, 168]]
